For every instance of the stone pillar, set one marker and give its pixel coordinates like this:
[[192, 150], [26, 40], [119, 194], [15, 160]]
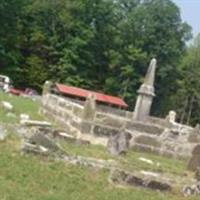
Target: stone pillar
[[46, 90], [88, 114], [89, 108], [146, 94], [47, 87]]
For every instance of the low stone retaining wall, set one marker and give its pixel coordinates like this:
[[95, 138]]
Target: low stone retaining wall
[[69, 115], [155, 135]]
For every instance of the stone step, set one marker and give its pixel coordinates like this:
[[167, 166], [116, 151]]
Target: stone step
[[142, 127]]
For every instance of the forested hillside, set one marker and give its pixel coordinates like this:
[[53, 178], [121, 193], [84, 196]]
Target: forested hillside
[[103, 45]]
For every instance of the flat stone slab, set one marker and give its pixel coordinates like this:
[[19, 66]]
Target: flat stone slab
[[35, 123], [43, 140], [127, 178]]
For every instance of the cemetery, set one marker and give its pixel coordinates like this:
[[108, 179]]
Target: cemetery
[[105, 136]]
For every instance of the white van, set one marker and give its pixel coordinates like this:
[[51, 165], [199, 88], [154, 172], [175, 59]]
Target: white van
[[4, 83]]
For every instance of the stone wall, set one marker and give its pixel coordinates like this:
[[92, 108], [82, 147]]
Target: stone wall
[[61, 111], [158, 121], [69, 115], [114, 111], [103, 108], [154, 135]]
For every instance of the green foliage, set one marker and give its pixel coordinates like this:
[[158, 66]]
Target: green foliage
[[101, 45], [187, 98], [9, 52]]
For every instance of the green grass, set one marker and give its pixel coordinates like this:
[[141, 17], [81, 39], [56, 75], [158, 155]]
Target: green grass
[[24, 177], [95, 151], [20, 105], [28, 177], [130, 161], [166, 165]]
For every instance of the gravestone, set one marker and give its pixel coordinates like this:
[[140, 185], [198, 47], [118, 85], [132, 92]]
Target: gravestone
[[197, 174], [194, 136], [89, 108], [119, 143], [194, 162], [197, 129]]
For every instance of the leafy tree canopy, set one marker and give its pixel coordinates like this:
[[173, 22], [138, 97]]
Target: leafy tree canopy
[[101, 45]]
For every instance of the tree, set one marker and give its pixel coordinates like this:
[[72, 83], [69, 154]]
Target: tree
[[187, 96], [10, 12], [149, 28], [101, 45], [46, 30]]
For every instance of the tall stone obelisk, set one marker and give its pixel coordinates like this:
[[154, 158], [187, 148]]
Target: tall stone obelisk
[[146, 94]]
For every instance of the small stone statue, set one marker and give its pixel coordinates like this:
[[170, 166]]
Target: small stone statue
[[171, 117]]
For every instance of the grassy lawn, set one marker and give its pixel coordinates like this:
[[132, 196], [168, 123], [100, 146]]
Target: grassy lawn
[[20, 105], [161, 164], [24, 177], [130, 161]]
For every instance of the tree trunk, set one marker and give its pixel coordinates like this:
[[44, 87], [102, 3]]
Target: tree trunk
[[190, 110], [184, 111]]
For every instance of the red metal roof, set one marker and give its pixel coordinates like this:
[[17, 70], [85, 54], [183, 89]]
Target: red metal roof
[[78, 92]]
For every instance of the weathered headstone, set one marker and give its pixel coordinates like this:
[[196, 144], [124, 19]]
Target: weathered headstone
[[194, 136], [197, 174], [194, 162], [119, 143], [89, 107], [197, 129]]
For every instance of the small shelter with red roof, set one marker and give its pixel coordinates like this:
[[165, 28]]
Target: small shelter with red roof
[[82, 94]]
